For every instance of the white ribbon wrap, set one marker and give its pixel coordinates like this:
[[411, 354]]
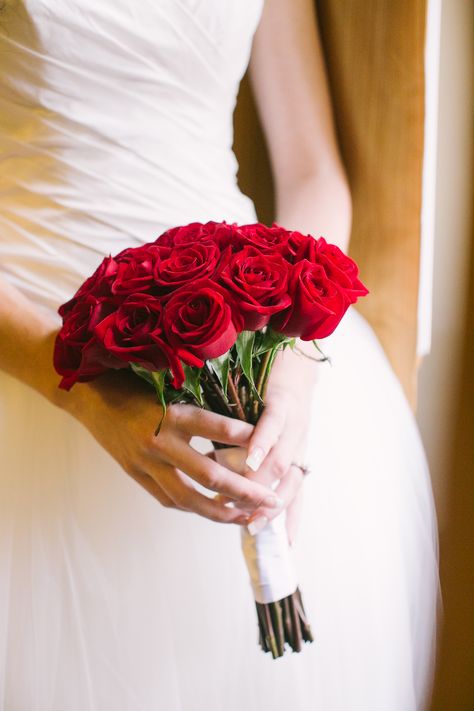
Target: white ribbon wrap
[[268, 553]]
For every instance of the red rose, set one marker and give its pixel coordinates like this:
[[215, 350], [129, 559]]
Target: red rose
[[193, 261], [134, 334], [77, 355], [201, 322], [195, 232], [135, 269], [338, 266], [318, 304], [273, 240], [99, 284], [259, 284]]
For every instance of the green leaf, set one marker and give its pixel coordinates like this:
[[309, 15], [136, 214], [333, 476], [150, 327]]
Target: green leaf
[[192, 383], [172, 395], [272, 359], [158, 377], [324, 358], [142, 372], [270, 340], [244, 345], [221, 368]]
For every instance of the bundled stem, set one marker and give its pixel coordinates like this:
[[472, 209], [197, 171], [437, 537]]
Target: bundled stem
[[234, 398], [283, 622], [261, 381], [216, 393]]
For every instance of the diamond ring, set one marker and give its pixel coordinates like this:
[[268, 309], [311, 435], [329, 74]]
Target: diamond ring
[[305, 469]]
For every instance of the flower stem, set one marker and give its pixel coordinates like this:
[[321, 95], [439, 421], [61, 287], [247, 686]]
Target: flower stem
[[261, 380], [217, 392], [234, 399], [283, 622], [262, 371]]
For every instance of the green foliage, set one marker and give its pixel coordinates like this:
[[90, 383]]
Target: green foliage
[[158, 377], [324, 358], [248, 363], [244, 347], [192, 383], [221, 367], [142, 372], [269, 340]]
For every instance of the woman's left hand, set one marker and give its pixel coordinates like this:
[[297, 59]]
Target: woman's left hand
[[279, 438]]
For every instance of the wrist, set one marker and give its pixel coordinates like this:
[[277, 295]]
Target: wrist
[[45, 380], [113, 389], [295, 371]]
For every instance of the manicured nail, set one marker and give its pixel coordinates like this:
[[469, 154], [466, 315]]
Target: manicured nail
[[255, 458], [255, 526], [272, 502]]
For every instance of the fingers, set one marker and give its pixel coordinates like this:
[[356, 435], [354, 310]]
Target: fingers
[[212, 475], [268, 431], [288, 488], [202, 423], [174, 491], [278, 460], [286, 491], [180, 489], [293, 515], [153, 488]]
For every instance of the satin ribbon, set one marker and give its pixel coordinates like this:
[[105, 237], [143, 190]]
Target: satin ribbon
[[268, 553]]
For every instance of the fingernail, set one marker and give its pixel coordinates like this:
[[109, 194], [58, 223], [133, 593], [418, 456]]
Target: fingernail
[[255, 526], [272, 502], [255, 458]]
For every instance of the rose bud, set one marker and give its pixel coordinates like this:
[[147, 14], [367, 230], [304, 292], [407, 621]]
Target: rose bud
[[78, 357], [338, 266], [194, 232], [99, 284], [134, 334], [318, 304], [259, 284], [135, 269], [201, 321], [272, 240], [196, 260]]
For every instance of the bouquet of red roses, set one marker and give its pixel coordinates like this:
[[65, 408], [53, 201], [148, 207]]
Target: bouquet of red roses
[[201, 313]]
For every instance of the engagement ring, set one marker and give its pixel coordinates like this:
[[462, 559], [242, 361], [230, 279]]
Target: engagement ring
[[305, 469]]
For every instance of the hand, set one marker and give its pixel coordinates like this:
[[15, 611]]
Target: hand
[[121, 412], [280, 435]]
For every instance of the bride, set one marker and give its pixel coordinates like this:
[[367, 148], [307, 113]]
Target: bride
[[122, 584]]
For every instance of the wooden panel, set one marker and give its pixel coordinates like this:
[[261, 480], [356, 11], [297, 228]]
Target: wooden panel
[[374, 54]]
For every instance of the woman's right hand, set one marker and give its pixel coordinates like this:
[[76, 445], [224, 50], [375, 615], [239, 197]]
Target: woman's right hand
[[122, 413]]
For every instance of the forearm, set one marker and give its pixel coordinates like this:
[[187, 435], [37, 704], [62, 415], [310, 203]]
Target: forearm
[[319, 205], [27, 341]]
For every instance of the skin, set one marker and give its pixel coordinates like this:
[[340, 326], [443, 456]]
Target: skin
[[312, 195], [287, 70]]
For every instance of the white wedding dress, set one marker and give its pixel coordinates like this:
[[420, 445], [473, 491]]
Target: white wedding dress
[[115, 124]]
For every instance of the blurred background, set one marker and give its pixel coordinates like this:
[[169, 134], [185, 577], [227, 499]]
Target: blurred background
[[402, 84]]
